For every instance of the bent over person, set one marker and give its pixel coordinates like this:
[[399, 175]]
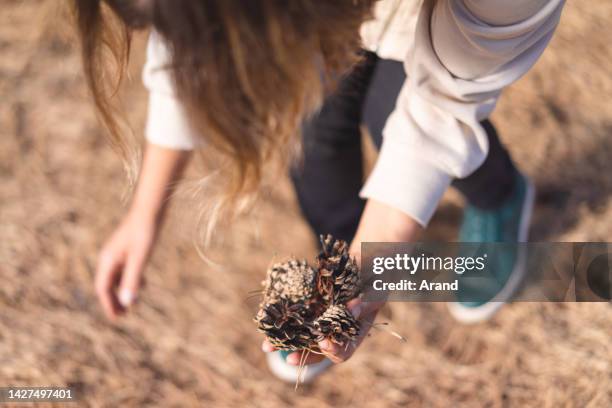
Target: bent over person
[[244, 80]]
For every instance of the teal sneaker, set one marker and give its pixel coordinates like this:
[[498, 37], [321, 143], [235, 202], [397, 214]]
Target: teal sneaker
[[509, 223], [277, 363]]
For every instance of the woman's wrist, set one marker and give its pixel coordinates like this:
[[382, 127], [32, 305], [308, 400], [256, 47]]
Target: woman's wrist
[[161, 169], [383, 223], [144, 214]]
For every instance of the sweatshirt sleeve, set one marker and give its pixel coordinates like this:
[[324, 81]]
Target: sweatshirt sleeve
[[167, 123], [465, 52]]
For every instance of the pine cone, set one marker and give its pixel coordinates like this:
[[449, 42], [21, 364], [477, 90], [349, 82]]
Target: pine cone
[[292, 280], [338, 280], [302, 306], [336, 324], [287, 325]]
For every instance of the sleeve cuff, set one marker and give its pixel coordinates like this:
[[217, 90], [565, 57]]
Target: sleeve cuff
[[167, 124], [406, 182]]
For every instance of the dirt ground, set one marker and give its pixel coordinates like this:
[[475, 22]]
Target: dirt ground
[[190, 341]]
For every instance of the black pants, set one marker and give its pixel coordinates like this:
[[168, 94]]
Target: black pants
[[328, 179]]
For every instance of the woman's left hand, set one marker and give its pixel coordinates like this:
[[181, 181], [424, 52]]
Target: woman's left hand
[[365, 312], [379, 223]]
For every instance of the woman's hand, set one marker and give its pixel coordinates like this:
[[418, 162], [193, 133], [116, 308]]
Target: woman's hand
[[379, 223], [364, 312], [125, 255], [121, 263]]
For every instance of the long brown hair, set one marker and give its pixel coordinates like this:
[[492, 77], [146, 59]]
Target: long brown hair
[[248, 72]]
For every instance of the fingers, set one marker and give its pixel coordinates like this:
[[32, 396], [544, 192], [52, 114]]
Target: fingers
[[267, 347], [337, 354], [109, 267], [334, 352], [294, 359], [365, 312], [118, 281], [359, 308], [131, 280]]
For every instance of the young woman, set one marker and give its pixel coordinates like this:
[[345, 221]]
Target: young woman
[[239, 78]]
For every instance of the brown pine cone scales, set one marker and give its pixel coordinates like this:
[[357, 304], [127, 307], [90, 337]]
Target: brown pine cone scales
[[336, 324], [286, 324], [339, 275], [302, 305], [292, 280]]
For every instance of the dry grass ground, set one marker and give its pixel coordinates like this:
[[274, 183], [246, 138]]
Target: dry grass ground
[[191, 339]]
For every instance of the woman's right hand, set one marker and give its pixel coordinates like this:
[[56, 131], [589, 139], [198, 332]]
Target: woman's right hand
[[121, 263], [125, 255]]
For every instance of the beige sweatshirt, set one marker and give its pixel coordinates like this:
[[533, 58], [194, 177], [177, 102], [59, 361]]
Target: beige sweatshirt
[[458, 55]]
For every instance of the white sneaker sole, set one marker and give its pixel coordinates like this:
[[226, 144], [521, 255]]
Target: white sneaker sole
[[472, 315], [279, 367]]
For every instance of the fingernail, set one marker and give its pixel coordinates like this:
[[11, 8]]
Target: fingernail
[[265, 347], [125, 297], [357, 311], [325, 345], [293, 359]]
